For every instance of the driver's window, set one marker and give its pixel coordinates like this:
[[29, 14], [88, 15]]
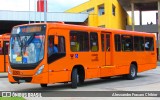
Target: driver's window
[[56, 51], [51, 47]]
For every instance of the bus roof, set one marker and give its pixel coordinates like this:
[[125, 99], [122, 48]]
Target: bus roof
[[88, 28]]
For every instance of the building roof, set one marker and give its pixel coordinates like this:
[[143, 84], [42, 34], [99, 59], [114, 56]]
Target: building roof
[[143, 5], [39, 16]]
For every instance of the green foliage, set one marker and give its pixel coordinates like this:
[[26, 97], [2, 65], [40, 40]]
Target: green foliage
[[11, 98]]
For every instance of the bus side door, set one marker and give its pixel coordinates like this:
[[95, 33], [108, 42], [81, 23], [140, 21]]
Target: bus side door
[[105, 40], [106, 69], [57, 61]]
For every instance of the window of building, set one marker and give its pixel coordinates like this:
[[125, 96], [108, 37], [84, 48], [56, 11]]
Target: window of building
[[149, 44], [102, 26], [93, 41], [79, 41], [138, 43], [113, 10], [117, 40], [101, 10], [127, 43]]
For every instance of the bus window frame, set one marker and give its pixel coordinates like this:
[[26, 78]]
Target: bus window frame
[[78, 43], [131, 38], [152, 43], [91, 42], [58, 55]]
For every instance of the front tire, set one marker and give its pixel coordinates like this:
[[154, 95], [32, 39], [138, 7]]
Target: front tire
[[43, 85], [132, 73], [74, 78]]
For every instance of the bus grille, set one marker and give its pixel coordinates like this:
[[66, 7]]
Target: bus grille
[[27, 79]]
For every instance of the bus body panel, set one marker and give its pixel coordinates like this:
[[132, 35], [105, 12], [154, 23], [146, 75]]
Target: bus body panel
[[1, 63]]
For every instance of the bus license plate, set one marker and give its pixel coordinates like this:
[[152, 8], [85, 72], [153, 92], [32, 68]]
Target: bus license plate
[[16, 72]]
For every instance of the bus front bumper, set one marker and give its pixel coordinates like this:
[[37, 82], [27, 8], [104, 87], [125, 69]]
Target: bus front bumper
[[38, 79]]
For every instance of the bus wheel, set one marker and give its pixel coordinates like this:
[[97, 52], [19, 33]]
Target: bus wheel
[[43, 85], [133, 72], [74, 78], [81, 80]]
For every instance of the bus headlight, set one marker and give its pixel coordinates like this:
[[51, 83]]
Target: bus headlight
[[39, 71], [9, 70]]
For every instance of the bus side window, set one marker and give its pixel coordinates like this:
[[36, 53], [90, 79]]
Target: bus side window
[[127, 43], [117, 40], [138, 43], [74, 43], [93, 41], [61, 44], [56, 51], [1, 49], [6, 48], [79, 41], [107, 42], [149, 45], [51, 47]]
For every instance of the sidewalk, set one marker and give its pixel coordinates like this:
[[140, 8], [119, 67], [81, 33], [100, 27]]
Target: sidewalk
[[3, 74]]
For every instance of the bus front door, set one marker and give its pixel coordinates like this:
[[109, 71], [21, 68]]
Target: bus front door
[[5, 45], [106, 69]]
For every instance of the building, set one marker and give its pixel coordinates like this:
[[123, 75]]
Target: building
[[113, 14], [8, 19], [104, 13], [144, 5]]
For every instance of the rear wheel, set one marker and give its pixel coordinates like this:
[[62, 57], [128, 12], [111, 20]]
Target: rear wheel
[[43, 85], [80, 79], [132, 73]]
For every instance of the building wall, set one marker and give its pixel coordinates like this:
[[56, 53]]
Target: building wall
[[107, 20]]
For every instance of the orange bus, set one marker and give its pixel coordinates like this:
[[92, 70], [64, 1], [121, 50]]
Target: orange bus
[[47, 53], [4, 44]]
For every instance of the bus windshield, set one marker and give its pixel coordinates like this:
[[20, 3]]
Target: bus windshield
[[26, 48]]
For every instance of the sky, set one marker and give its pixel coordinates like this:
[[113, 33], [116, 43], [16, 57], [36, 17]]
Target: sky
[[61, 6], [53, 5]]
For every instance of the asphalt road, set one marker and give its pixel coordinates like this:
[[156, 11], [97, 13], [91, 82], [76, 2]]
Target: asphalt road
[[146, 81]]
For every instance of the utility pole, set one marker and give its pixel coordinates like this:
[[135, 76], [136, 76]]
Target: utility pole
[[159, 30], [29, 12], [45, 11]]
